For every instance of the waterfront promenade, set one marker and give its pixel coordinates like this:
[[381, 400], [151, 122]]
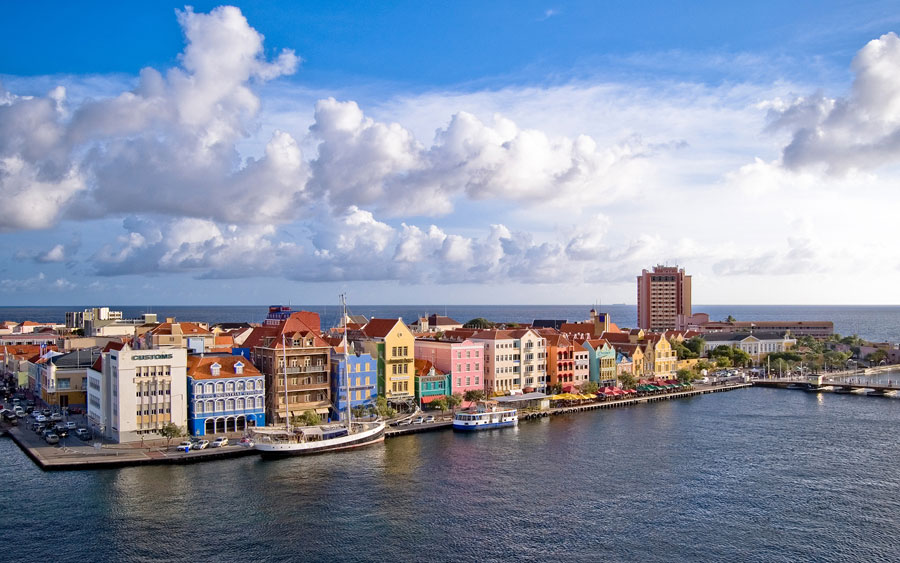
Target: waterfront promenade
[[87, 456]]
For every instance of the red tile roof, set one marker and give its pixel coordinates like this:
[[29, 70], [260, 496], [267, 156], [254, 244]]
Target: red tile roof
[[424, 366], [379, 328]]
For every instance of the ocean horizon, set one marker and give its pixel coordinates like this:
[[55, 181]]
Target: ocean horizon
[[872, 322]]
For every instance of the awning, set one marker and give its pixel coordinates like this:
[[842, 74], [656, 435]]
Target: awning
[[322, 411], [430, 398]]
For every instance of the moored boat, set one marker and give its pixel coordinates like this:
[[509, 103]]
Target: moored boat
[[307, 440], [485, 416]]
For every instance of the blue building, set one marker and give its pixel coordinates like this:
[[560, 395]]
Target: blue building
[[225, 394], [363, 373]]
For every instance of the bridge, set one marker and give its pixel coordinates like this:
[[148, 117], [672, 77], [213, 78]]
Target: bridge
[[815, 383]]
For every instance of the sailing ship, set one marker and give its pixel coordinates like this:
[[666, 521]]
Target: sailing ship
[[306, 440]]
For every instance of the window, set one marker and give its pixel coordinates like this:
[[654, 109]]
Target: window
[[458, 367], [459, 354], [477, 366], [468, 381], [468, 353], [476, 380], [394, 369], [468, 367], [405, 368]]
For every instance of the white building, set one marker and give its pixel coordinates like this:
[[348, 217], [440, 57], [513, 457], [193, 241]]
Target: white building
[[133, 393], [756, 344], [514, 360], [77, 319]]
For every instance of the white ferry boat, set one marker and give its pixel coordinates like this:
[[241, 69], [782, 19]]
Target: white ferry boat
[[484, 417]]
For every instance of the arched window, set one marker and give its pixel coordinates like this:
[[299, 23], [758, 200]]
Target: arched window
[[229, 405], [209, 388], [259, 384], [241, 405], [229, 387], [210, 406], [220, 405], [240, 386], [251, 403], [220, 387], [198, 408]]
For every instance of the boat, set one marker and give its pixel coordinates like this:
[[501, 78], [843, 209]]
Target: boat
[[485, 416], [306, 440]]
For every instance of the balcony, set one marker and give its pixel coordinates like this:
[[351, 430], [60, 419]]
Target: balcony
[[305, 369]]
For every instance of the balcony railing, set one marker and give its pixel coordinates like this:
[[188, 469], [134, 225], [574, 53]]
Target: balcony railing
[[305, 369]]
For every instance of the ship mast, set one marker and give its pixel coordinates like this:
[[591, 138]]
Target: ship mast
[[346, 360], [287, 406]]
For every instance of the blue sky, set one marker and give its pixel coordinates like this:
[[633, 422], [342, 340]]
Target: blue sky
[[465, 152]]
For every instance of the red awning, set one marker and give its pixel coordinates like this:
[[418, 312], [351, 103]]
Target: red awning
[[568, 388], [428, 399]]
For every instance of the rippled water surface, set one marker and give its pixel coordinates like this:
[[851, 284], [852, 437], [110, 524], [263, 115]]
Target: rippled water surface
[[750, 475]]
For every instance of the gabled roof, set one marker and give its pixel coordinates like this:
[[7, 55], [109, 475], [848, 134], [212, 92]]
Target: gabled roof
[[379, 328], [293, 325], [424, 366], [187, 329], [627, 349]]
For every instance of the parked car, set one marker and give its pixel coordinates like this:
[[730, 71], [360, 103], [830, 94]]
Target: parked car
[[46, 412], [404, 422], [429, 418], [56, 417], [82, 434], [61, 430], [201, 444], [219, 442], [418, 420], [75, 410], [51, 439], [184, 446], [246, 442], [71, 425], [40, 418]]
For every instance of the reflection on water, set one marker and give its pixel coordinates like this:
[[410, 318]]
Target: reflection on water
[[753, 475]]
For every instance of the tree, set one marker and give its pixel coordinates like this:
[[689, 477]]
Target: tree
[[454, 400], [702, 365], [171, 430], [308, 418], [382, 408], [835, 358], [555, 389], [479, 322], [740, 357], [695, 345], [474, 395], [730, 319], [628, 380], [682, 352], [590, 387], [440, 403], [685, 375]]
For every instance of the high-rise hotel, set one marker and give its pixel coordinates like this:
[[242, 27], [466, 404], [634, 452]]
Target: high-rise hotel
[[662, 295]]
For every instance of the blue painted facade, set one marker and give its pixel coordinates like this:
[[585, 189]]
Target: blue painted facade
[[363, 382], [228, 402]]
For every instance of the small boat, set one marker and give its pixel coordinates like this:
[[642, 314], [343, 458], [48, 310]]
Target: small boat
[[798, 386], [485, 415]]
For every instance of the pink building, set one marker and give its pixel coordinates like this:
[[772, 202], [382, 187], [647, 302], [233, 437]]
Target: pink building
[[464, 361]]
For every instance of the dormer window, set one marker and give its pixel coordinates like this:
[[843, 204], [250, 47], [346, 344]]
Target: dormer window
[[239, 368], [215, 369]]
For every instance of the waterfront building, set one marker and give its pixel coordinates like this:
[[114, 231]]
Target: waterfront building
[[593, 327], [582, 372], [662, 295], [225, 394], [514, 361], [293, 350], [757, 345], [392, 344], [62, 378], [462, 360], [363, 373], [560, 359], [659, 357], [431, 383], [132, 394], [601, 361], [629, 357]]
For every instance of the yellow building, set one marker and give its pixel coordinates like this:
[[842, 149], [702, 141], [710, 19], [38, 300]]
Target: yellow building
[[393, 345], [659, 357]]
